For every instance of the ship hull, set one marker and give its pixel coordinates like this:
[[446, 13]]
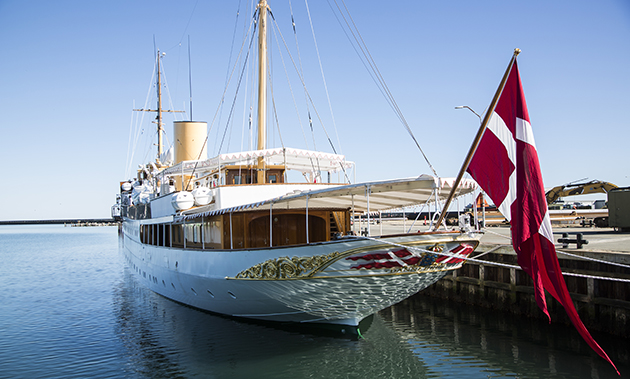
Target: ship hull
[[335, 282]]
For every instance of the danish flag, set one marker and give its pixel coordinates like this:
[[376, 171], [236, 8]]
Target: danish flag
[[505, 164]]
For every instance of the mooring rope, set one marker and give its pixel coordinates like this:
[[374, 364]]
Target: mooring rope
[[411, 249], [568, 254]]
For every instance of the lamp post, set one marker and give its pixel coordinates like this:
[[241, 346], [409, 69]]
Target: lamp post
[[470, 109], [483, 208]]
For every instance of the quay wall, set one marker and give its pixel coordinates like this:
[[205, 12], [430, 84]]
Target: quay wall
[[603, 305]]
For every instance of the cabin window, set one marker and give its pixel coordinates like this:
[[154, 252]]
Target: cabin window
[[212, 233], [167, 235], [288, 229], [193, 235], [178, 235], [237, 179], [272, 178]]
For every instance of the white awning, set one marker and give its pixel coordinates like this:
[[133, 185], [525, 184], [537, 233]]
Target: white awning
[[381, 196], [295, 159]]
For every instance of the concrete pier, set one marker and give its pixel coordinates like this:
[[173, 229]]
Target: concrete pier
[[603, 305]]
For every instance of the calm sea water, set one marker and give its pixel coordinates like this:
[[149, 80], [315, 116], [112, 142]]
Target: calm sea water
[[70, 308]]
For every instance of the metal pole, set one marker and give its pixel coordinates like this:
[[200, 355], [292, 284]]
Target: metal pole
[[380, 220], [404, 220], [307, 240], [231, 239], [353, 220], [367, 190]]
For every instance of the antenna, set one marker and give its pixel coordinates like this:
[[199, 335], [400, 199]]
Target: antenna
[[190, 79]]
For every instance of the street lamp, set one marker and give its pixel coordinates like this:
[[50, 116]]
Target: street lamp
[[483, 208], [470, 109]]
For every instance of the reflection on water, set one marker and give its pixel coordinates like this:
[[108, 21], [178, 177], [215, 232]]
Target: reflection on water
[[69, 308], [418, 338], [168, 339], [452, 339]]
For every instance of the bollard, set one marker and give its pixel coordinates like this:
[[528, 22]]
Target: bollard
[[579, 240]]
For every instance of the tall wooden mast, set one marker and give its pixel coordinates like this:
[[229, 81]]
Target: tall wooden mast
[[262, 87]]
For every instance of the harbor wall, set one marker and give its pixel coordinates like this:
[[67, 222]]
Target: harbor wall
[[603, 305]]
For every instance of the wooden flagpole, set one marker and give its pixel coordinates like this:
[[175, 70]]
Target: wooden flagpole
[[477, 139]]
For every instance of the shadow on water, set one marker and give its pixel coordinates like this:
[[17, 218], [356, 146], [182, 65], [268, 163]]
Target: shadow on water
[[165, 339]]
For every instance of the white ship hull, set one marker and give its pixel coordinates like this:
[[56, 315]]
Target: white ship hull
[[334, 291]]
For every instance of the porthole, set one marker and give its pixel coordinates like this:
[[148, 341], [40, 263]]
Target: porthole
[[193, 290], [231, 294], [211, 294], [163, 283], [173, 286]]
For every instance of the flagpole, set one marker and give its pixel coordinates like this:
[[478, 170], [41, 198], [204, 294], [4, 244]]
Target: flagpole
[[477, 139]]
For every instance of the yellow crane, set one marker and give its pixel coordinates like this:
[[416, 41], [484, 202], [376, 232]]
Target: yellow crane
[[574, 189]]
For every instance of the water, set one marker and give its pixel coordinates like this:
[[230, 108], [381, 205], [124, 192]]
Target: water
[[70, 308]]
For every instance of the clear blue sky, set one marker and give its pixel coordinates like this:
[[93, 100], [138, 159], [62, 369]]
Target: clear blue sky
[[72, 71]]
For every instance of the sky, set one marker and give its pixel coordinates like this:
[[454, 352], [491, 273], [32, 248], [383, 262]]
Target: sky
[[72, 72]]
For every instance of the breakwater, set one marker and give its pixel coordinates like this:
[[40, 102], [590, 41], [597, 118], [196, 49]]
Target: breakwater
[[66, 221]]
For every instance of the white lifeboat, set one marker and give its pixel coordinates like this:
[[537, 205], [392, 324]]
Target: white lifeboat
[[182, 200], [202, 195]]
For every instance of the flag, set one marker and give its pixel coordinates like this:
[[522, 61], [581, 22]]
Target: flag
[[505, 164]]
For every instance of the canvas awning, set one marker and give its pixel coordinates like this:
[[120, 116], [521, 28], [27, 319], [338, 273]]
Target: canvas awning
[[306, 161], [364, 197]]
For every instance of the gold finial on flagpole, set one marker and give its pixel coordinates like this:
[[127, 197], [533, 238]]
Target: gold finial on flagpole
[[517, 51]]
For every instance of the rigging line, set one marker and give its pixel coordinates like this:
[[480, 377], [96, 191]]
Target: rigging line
[[227, 71], [205, 142], [229, 80], [361, 58], [297, 46], [286, 73], [192, 13], [308, 110], [275, 114], [273, 103], [168, 92], [238, 85], [127, 169], [312, 103], [389, 95], [141, 122], [245, 118], [321, 68]]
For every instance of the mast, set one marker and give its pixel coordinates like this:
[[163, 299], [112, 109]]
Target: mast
[[160, 129], [159, 110], [262, 87]]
